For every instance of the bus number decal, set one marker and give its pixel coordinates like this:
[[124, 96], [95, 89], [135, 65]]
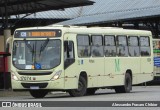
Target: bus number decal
[[24, 78], [80, 62], [91, 61]]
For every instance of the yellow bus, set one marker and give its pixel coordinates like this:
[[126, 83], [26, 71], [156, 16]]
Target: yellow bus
[[80, 60], [156, 53]]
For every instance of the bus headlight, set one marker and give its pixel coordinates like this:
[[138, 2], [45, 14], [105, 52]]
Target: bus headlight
[[14, 77], [57, 75]]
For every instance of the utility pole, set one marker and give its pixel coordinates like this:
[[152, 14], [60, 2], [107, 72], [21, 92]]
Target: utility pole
[[7, 34], [7, 31]]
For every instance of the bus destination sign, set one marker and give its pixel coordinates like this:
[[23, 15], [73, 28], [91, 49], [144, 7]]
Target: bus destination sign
[[37, 33]]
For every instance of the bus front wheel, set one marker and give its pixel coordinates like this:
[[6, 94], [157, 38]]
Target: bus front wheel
[[38, 93], [127, 85], [82, 88]]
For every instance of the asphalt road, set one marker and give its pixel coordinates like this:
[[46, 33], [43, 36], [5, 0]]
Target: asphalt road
[[139, 93]]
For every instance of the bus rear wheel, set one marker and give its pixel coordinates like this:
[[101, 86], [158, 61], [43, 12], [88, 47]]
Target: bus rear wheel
[[82, 88], [38, 93], [127, 85]]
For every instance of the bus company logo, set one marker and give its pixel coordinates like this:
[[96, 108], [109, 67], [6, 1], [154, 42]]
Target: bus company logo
[[6, 104], [23, 34]]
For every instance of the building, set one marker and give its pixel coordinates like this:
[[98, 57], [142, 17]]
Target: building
[[132, 14]]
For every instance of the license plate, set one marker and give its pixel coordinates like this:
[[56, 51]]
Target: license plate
[[34, 87]]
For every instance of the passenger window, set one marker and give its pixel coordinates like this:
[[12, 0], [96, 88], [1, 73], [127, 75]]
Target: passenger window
[[133, 46], [122, 48], [145, 46], [83, 46], [97, 46], [110, 46]]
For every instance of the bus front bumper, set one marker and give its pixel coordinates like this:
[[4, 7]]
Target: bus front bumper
[[50, 85]]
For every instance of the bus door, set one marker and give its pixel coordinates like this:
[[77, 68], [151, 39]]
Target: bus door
[[70, 73]]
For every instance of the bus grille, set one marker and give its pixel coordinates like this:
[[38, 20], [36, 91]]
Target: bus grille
[[40, 85]]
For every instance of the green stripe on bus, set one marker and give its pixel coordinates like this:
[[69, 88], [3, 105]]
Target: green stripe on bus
[[117, 68]]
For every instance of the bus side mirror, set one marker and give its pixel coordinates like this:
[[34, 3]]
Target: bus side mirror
[[68, 46], [65, 46], [7, 48], [8, 41]]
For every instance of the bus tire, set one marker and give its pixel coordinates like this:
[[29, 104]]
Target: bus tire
[[91, 91], [38, 93], [82, 88], [127, 85]]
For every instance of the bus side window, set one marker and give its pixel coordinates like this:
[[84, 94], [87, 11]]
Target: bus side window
[[122, 48], [97, 46], [83, 46], [110, 46], [145, 46], [69, 57], [133, 46]]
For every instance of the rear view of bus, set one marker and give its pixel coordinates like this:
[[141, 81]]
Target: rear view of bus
[[36, 60]]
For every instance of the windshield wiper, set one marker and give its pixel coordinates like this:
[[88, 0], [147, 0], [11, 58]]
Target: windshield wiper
[[30, 48], [43, 46], [28, 45]]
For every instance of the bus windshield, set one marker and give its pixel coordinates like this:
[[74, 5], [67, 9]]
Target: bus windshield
[[36, 54]]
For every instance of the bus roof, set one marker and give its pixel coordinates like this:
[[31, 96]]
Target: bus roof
[[91, 30]]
